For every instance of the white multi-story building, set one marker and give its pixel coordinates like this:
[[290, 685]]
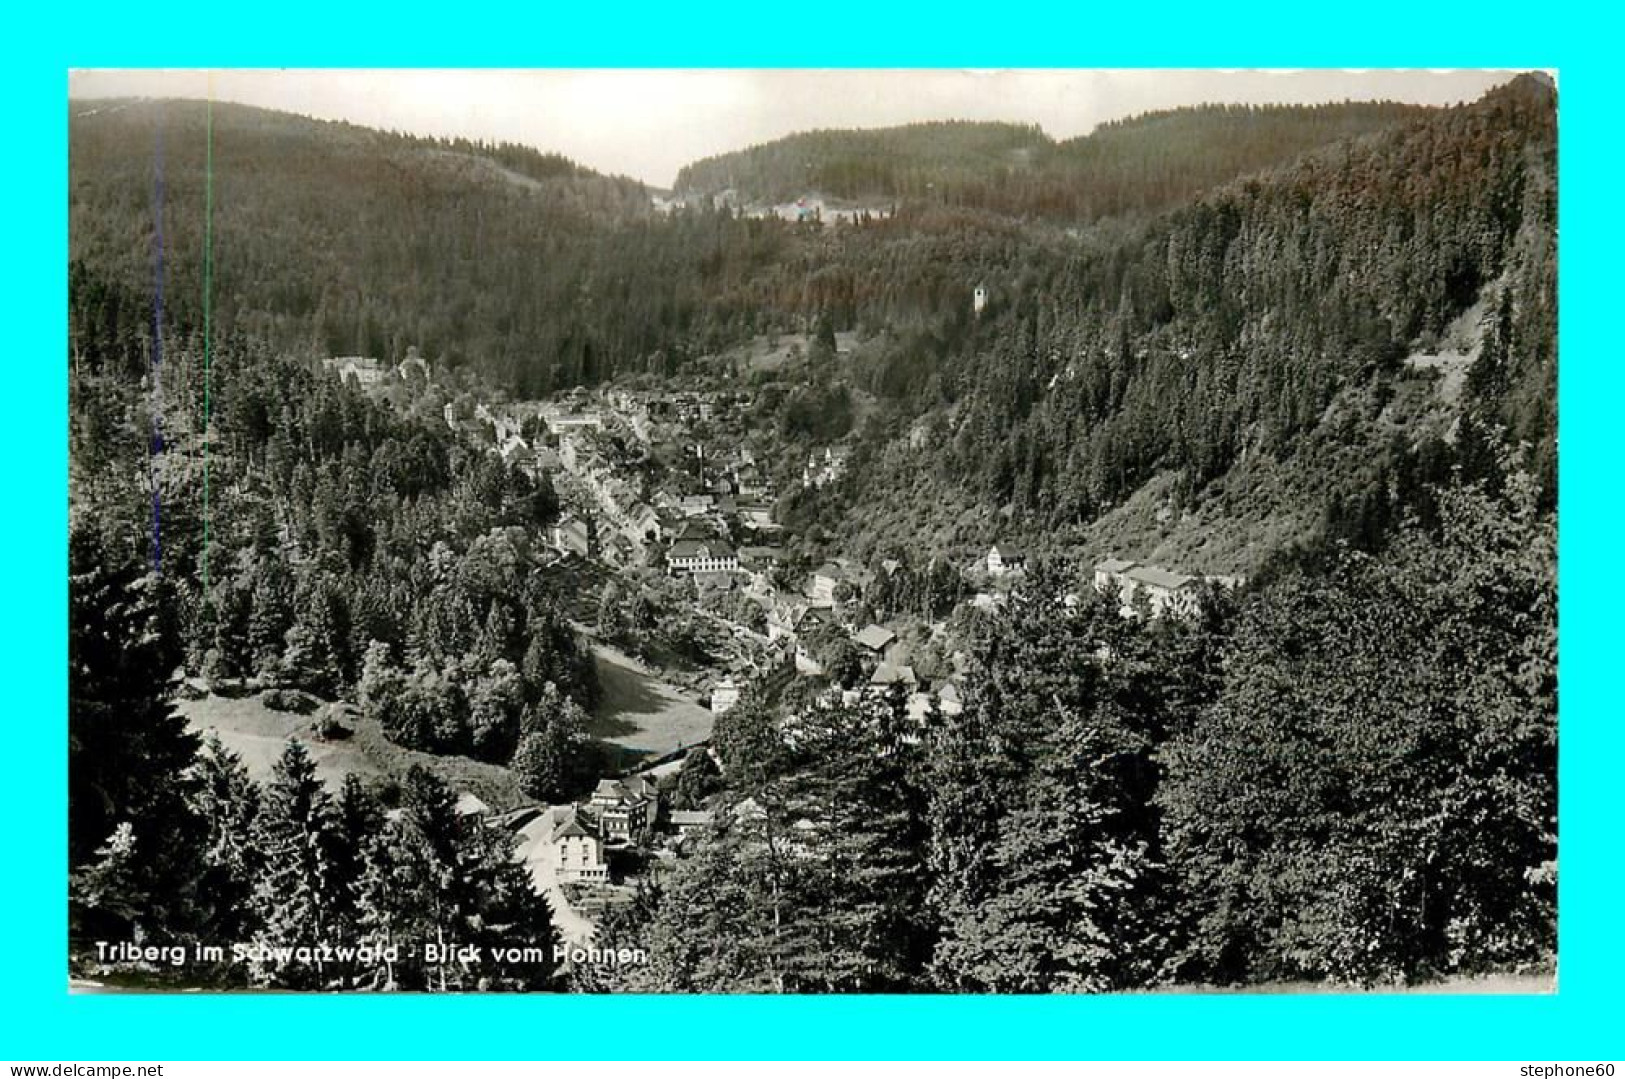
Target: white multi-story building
[[578, 847], [1165, 591], [701, 556]]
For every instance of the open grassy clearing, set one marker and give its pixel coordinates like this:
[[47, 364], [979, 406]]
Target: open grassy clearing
[[642, 715], [257, 734]]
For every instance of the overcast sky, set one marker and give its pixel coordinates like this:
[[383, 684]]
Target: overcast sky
[[649, 123]]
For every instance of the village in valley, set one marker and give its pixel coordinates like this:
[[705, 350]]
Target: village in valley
[[660, 491], [946, 558]]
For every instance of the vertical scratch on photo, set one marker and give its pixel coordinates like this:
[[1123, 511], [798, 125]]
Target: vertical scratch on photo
[[208, 274], [157, 344]]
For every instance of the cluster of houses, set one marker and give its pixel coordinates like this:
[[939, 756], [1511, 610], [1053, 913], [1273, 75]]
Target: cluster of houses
[[500, 428], [708, 517], [629, 812], [369, 371], [582, 839], [700, 511], [717, 518], [624, 814], [1161, 591], [806, 209], [620, 813], [921, 699], [826, 603], [819, 210], [645, 411], [824, 468]]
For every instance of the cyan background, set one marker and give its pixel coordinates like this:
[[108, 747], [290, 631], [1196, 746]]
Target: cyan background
[[39, 1020]]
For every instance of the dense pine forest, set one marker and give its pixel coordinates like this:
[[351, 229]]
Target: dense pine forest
[[1315, 347], [1269, 320]]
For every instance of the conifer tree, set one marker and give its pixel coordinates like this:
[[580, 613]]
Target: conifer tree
[[228, 801], [129, 754], [298, 895], [432, 880]]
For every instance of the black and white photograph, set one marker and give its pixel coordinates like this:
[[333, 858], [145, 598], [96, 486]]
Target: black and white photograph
[[801, 531]]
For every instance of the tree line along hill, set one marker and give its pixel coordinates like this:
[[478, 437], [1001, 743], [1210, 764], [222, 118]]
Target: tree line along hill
[[1143, 163]]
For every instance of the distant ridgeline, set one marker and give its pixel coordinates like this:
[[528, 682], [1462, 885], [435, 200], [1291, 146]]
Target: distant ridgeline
[[897, 162], [1143, 163], [339, 240]]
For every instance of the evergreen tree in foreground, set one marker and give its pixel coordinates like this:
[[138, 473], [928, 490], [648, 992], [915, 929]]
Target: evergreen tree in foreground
[[134, 842], [433, 879], [298, 892]]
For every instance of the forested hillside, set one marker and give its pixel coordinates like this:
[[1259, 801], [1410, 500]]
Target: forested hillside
[[913, 161], [335, 240], [1267, 322], [332, 240], [1141, 164], [1151, 162]]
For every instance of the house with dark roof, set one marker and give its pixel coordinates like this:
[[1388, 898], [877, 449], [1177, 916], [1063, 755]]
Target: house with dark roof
[[687, 529], [752, 482], [1157, 577], [893, 674], [761, 557], [809, 620], [626, 808], [809, 617], [1003, 558], [686, 822], [1109, 573]]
